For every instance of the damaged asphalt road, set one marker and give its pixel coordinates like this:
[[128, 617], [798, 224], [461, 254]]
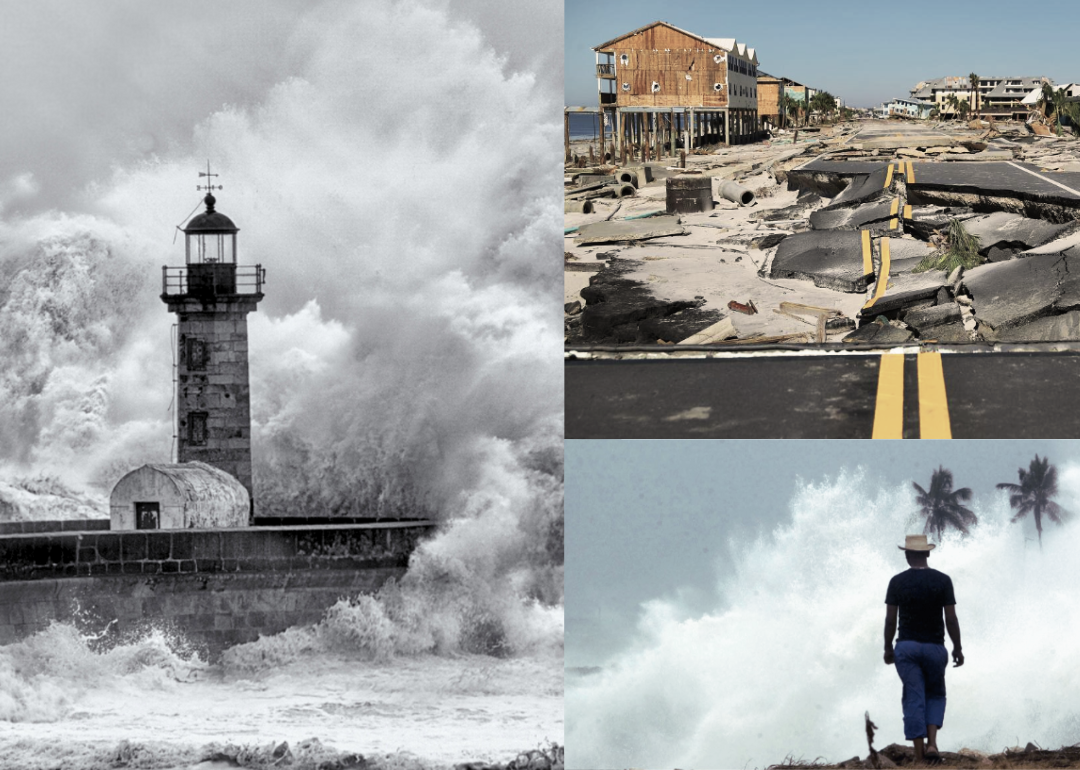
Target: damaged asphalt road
[[845, 228]]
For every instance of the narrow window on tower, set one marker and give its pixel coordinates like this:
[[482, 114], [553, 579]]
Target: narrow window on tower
[[197, 428], [198, 354]]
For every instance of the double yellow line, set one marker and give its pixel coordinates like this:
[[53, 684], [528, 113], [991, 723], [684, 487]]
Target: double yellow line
[[933, 403], [883, 274]]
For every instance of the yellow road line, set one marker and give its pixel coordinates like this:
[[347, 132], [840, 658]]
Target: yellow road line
[[910, 173], [933, 404], [907, 211], [867, 260], [893, 223], [895, 206], [883, 275], [888, 175], [889, 408]]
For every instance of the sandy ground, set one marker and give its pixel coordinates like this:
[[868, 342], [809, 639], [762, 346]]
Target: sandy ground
[[715, 260]]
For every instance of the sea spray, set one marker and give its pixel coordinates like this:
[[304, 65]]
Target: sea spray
[[791, 656], [43, 676]]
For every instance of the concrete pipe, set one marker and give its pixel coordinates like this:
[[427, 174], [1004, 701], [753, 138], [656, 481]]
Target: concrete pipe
[[624, 190], [627, 177], [736, 193], [579, 207]]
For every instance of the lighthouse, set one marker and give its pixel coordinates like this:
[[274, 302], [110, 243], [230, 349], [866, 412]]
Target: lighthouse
[[211, 296]]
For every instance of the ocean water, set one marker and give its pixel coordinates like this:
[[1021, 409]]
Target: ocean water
[[405, 361], [66, 703], [790, 658], [586, 126]]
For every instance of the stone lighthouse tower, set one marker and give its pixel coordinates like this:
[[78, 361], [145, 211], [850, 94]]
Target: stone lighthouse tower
[[211, 296]]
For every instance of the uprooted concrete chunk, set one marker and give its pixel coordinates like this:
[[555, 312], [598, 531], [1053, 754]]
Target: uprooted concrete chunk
[[879, 334], [620, 230], [1059, 328], [831, 259], [851, 219], [807, 200], [768, 241], [1007, 294], [923, 320], [954, 332], [1004, 231], [926, 219], [865, 188]]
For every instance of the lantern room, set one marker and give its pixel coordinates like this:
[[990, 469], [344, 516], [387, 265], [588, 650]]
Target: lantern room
[[211, 236]]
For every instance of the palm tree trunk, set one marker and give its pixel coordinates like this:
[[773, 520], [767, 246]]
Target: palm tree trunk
[[1038, 524]]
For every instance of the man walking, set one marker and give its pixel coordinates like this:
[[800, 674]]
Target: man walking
[[921, 595]]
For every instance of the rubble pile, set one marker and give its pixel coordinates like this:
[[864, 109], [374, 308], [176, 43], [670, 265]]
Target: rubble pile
[[855, 222]]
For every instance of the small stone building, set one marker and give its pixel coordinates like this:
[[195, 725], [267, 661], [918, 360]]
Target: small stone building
[[178, 496]]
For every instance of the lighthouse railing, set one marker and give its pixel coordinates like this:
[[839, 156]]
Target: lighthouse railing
[[212, 280]]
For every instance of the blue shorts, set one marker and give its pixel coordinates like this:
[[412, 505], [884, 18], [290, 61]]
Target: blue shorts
[[922, 670]]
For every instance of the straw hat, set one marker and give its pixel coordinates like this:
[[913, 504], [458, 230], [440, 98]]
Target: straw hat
[[916, 543]]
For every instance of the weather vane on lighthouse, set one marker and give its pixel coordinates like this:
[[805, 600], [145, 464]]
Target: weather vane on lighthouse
[[209, 186]]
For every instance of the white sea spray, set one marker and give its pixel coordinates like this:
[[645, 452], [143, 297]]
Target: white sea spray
[[791, 657]]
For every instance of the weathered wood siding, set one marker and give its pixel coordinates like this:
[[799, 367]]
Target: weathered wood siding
[[684, 67], [768, 97]]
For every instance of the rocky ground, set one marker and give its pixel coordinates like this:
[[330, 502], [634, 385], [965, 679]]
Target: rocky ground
[[832, 248], [896, 755]]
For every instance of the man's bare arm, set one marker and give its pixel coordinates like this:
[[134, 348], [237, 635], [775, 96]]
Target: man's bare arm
[[890, 631], [952, 625]]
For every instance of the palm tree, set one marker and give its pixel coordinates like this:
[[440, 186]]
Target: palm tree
[[942, 504], [974, 93], [954, 104], [1057, 103], [1037, 485]]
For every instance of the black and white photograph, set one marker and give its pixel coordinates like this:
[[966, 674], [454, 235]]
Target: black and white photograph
[[281, 401]]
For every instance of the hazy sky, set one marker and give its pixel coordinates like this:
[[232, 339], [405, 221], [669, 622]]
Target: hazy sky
[[646, 519], [853, 49]]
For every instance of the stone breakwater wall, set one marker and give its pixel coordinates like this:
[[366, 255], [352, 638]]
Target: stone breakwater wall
[[56, 525], [219, 587]]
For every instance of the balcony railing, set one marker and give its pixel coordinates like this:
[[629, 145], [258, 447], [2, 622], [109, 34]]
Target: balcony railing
[[212, 280], [605, 70]]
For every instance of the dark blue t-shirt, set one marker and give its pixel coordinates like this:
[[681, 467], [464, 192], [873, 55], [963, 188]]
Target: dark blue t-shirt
[[921, 594]]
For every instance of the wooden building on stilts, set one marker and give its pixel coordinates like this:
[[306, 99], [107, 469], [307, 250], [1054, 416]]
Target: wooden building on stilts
[[662, 88]]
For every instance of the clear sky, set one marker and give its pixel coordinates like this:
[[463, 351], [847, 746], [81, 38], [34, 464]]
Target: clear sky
[[651, 519], [863, 52]]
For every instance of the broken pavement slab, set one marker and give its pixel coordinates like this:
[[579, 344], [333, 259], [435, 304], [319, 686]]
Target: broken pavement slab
[[622, 230], [853, 218], [880, 183], [1008, 294], [1059, 328], [923, 320], [879, 334], [831, 259], [1012, 232]]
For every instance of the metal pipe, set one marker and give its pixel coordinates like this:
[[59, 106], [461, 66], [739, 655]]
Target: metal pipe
[[736, 193]]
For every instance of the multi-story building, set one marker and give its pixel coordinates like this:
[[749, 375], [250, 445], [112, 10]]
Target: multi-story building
[[997, 97], [907, 108], [659, 82]]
